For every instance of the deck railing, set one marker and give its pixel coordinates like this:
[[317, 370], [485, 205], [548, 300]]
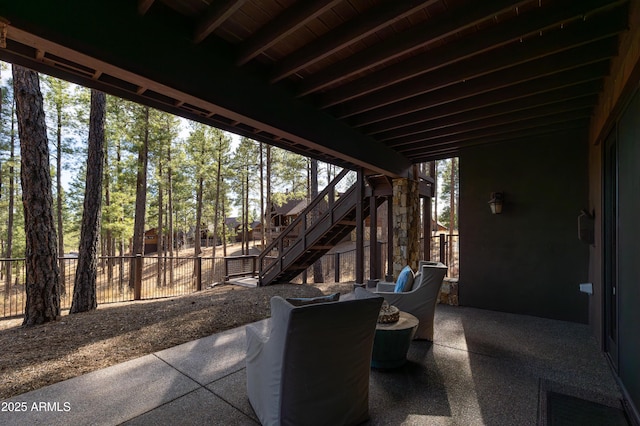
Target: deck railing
[[163, 276], [120, 279]]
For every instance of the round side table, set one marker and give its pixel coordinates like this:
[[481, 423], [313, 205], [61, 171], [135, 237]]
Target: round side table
[[392, 341]]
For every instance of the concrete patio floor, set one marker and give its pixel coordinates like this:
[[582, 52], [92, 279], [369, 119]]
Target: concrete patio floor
[[484, 368]]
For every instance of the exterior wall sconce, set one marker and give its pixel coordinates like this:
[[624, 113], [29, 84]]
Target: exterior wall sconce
[[496, 202]]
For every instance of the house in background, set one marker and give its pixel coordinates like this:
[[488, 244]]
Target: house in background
[[282, 215], [151, 241], [234, 230]]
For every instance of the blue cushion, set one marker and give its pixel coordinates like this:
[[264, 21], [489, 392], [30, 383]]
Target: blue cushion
[[405, 276]]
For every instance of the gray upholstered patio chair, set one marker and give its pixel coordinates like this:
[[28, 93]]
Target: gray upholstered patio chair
[[420, 301], [311, 367]]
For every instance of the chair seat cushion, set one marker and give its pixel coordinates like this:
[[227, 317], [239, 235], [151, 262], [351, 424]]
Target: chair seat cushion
[[405, 280]]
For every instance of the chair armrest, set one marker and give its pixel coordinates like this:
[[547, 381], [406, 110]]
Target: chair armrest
[[256, 340], [385, 287]]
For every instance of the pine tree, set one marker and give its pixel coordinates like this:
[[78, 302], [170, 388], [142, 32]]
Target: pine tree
[[245, 162], [318, 276], [141, 188], [59, 101], [42, 274], [84, 289]]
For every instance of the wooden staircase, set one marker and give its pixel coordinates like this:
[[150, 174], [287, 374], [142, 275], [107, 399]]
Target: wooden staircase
[[316, 233]]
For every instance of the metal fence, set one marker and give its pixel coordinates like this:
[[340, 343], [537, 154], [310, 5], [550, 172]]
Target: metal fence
[[445, 248], [163, 276], [117, 281], [340, 266]]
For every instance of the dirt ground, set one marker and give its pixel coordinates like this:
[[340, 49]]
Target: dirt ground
[[33, 357]]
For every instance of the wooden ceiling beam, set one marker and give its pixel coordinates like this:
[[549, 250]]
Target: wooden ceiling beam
[[548, 113], [346, 34], [413, 39], [438, 152], [512, 76], [544, 52], [218, 12], [547, 90], [511, 111], [406, 42], [281, 26], [144, 5], [519, 127], [214, 83], [540, 19]]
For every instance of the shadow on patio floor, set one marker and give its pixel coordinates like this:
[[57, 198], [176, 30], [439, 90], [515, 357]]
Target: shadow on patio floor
[[483, 368]]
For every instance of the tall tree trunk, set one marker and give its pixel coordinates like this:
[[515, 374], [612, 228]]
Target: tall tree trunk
[[262, 212], [242, 189], [318, 276], [216, 207], [63, 275], [170, 214], [268, 219], [120, 219], [159, 233], [224, 230], [452, 210], [435, 199], [141, 198], [246, 206], [84, 286], [110, 252], [198, 231], [199, 195], [42, 274], [9, 247]]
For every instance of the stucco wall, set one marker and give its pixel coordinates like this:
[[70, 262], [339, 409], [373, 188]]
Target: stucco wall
[[527, 260]]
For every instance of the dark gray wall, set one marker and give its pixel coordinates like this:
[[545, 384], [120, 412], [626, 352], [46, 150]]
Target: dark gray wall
[[629, 248], [527, 260]]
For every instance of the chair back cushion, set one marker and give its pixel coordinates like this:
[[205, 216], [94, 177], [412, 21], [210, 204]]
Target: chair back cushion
[[405, 280], [417, 281], [327, 355], [302, 301]]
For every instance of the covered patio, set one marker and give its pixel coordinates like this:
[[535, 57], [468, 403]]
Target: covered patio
[[483, 367], [538, 99]]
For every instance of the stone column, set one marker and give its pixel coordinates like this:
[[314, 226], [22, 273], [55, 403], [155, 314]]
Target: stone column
[[406, 224]]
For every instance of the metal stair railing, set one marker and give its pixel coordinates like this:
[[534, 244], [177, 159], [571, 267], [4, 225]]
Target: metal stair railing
[[302, 224]]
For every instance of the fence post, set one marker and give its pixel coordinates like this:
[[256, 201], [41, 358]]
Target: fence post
[[443, 248], [379, 263], [137, 281], [198, 271], [254, 271], [337, 267]]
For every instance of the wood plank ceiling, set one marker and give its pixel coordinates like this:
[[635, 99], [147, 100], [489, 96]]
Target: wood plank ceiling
[[372, 83]]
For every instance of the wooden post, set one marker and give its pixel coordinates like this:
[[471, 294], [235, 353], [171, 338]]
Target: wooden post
[[443, 249], [254, 271], [337, 267], [426, 228], [137, 283], [359, 228], [373, 242], [198, 271], [379, 259], [390, 242]]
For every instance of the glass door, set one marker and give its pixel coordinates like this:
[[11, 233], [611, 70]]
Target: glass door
[[610, 217]]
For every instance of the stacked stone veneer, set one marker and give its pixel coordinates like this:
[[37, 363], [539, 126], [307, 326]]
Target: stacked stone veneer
[[406, 224], [449, 292]]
